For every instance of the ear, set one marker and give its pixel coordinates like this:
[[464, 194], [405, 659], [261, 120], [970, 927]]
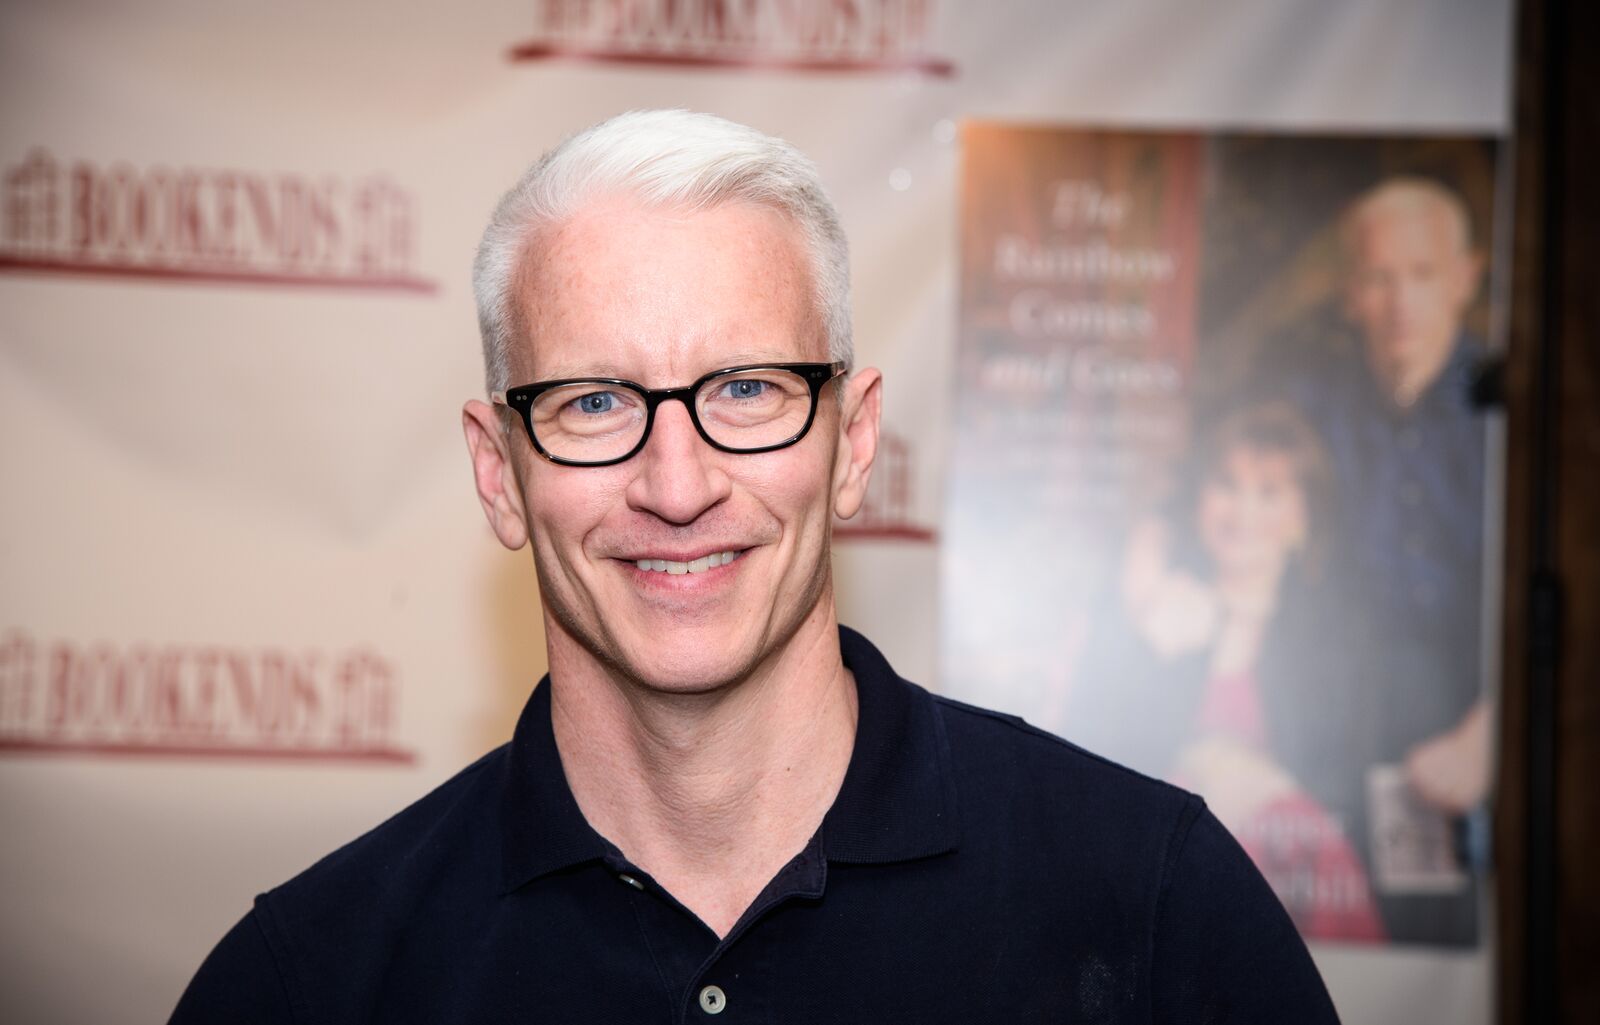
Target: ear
[[492, 471], [1469, 278], [858, 440]]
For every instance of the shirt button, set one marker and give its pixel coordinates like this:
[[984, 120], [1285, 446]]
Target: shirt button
[[631, 881], [713, 1000]]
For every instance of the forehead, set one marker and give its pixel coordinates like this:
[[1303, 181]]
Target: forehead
[[622, 289], [1410, 224], [1248, 461]]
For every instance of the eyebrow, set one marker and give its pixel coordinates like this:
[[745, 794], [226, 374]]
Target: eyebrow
[[564, 371]]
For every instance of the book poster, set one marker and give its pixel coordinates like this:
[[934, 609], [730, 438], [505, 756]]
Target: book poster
[[1218, 489]]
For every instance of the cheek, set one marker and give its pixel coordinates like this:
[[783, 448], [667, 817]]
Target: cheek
[[1368, 301], [795, 492], [800, 501], [1441, 302], [1279, 519], [1292, 520], [564, 504], [1463, 285], [1215, 512]]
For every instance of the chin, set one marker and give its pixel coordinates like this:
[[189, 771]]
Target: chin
[[1251, 562], [1409, 352], [685, 676], [695, 661]]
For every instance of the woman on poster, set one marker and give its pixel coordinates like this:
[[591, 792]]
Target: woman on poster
[[1229, 665]]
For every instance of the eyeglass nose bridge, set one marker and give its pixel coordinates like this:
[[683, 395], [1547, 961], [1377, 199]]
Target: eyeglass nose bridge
[[653, 398]]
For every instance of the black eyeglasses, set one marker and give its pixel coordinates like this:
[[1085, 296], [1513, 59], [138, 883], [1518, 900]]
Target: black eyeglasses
[[598, 421]]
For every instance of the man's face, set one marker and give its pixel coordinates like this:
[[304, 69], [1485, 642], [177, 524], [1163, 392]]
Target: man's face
[[662, 297], [1410, 280]]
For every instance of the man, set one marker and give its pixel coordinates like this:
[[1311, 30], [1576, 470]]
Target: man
[[1408, 447], [719, 802]]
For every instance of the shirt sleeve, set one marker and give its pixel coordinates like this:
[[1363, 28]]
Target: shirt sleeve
[[238, 983], [1224, 949]]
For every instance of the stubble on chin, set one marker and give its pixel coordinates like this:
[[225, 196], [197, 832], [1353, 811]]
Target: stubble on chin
[[622, 650]]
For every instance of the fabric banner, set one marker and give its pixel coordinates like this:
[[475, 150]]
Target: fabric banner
[[1216, 392]]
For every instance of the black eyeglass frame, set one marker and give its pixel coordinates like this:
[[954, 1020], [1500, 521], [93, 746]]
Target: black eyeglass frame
[[521, 399]]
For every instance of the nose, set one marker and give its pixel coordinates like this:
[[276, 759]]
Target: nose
[[678, 475], [1385, 293], [1412, 296]]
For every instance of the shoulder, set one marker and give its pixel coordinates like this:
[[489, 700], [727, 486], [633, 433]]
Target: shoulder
[[344, 909], [1018, 779], [1012, 780], [1224, 948], [1144, 859], [986, 741], [440, 842]]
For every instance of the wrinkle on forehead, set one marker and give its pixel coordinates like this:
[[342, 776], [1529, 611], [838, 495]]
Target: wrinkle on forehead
[[606, 367], [594, 254]]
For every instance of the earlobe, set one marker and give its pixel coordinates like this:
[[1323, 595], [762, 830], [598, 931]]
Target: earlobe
[[493, 473], [858, 441]]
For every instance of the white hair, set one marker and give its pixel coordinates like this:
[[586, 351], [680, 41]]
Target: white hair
[[1406, 196], [667, 158]]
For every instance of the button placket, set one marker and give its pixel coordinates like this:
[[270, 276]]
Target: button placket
[[804, 877]]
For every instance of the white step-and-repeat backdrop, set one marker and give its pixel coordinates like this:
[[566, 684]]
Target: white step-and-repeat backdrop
[[248, 605]]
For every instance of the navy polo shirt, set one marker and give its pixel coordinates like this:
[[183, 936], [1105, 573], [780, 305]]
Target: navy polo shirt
[[972, 869]]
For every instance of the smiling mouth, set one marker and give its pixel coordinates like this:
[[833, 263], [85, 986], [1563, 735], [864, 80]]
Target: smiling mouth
[[699, 565]]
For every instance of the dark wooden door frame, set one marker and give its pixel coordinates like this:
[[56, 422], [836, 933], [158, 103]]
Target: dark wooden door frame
[[1548, 822]]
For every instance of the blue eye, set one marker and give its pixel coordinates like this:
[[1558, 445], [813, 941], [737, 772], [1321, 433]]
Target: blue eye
[[745, 389], [595, 402]]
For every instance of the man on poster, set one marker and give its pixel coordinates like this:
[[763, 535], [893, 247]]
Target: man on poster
[[1393, 405], [720, 802]]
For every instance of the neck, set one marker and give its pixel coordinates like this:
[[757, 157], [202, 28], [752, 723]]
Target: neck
[[710, 793], [1405, 382], [1252, 592]]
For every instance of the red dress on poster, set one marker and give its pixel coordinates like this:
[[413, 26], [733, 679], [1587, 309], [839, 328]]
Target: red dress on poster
[[1297, 844]]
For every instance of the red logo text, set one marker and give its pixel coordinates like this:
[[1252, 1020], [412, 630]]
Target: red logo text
[[802, 35], [196, 700], [207, 224]]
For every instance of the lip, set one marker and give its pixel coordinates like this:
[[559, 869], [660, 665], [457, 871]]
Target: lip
[[706, 581], [701, 580], [683, 554]]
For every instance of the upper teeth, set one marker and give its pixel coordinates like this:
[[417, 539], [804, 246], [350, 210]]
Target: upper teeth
[[699, 565]]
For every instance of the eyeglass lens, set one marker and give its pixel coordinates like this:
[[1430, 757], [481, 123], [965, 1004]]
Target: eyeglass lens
[[591, 421]]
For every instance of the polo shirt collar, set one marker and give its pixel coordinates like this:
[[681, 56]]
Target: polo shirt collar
[[897, 802], [1450, 390], [898, 799], [542, 828]]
